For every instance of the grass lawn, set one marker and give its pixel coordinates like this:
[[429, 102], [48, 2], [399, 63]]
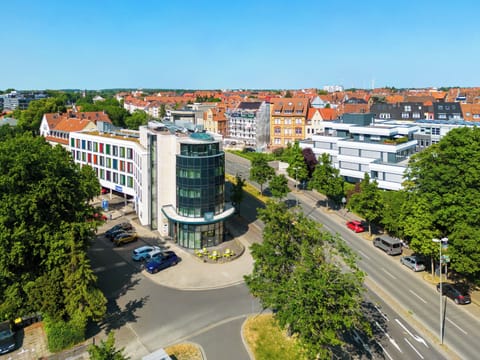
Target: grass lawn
[[267, 341], [249, 188], [184, 351]]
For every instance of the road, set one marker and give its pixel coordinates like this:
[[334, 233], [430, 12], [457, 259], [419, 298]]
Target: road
[[415, 298], [407, 288]]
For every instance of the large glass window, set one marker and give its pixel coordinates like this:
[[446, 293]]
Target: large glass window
[[107, 149]]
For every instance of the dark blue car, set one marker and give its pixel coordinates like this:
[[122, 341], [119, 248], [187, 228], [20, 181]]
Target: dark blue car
[[165, 260]]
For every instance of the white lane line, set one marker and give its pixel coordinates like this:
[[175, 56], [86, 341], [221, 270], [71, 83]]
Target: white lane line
[[381, 313], [415, 337], [458, 327], [384, 351], [418, 296], [103, 268], [385, 270], [389, 337], [363, 254], [413, 347]]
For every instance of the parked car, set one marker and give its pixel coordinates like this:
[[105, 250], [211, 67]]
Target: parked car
[[388, 244], [413, 262], [115, 230], [7, 337], [144, 252], [125, 238], [454, 293], [165, 260], [355, 226]]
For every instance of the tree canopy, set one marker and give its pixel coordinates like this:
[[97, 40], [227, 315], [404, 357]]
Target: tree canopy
[[309, 277], [260, 171], [279, 186], [327, 180], [44, 234], [443, 185]]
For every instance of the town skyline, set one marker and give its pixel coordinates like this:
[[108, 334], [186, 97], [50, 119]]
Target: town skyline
[[248, 45]]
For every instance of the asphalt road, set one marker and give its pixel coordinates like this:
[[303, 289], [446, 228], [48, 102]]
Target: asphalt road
[[406, 288], [146, 316]]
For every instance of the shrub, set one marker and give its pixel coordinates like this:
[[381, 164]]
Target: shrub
[[64, 334]]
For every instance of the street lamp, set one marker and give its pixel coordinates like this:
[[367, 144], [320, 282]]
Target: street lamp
[[440, 243]]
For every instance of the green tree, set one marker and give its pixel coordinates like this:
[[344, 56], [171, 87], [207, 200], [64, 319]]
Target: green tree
[[279, 186], [368, 202], [297, 168], [260, 171], [31, 118], [137, 119], [237, 192], [44, 233], [295, 273], [393, 201], [327, 180], [106, 350], [445, 179]]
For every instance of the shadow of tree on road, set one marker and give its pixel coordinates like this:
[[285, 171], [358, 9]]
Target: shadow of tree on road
[[116, 317]]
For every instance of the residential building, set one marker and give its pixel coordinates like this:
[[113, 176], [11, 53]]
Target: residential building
[[401, 111], [316, 118], [56, 127], [215, 120], [357, 145], [288, 118], [471, 112], [447, 111], [248, 122], [19, 100], [175, 179]]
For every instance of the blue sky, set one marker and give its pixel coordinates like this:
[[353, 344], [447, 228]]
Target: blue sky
[[228, 44]]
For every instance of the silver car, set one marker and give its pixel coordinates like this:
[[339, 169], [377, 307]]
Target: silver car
[[413, 262]]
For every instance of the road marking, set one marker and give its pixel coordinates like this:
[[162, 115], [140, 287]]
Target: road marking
[[381, 313], [458, 327], [413, 347], [384, 351], [385, 270], [418, 296], [363, 254], [389, 337], [103, 268], [415, 337]]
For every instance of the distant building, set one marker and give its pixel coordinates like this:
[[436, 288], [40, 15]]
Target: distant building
[[447, 111], [333, 88], [248, 122], [288, 118], [401, 111], [19, 99]]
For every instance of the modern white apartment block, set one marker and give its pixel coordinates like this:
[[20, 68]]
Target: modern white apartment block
[[357, 145], [249, 123], [175, 178]]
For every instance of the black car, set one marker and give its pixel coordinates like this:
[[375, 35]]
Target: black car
[[117, 229], [7, 337], [454, 293]]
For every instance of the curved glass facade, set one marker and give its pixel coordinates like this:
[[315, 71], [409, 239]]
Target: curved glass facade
[[200, 185], [200, 180]]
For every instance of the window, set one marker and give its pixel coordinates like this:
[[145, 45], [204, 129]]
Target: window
[[277, 141], [122, 166], [83, 156], [109, 175], [288, 121], [89, 145], [416, 115], [129, 154], [101, 147], [298, 131], [115, 177], [95, 159], [277, 121], [298, 121], [115, 150], [122, 179], [435, 131], [405, 115], [122, 152], [102, 160], [107, 149], [408, 108], [277, 131], [109, 163], [84, 144], [129, 181], [95, 146], [115, 164]]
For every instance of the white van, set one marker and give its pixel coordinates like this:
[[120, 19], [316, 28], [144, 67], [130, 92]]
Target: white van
[[388, 244]]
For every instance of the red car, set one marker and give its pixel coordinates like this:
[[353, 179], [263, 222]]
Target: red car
[[355, 226]]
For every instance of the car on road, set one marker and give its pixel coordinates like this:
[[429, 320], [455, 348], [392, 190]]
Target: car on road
[[356, 226], [125, 238], [7, 337], [454, 293], [144, 252], [163, 261], [413, 262]]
